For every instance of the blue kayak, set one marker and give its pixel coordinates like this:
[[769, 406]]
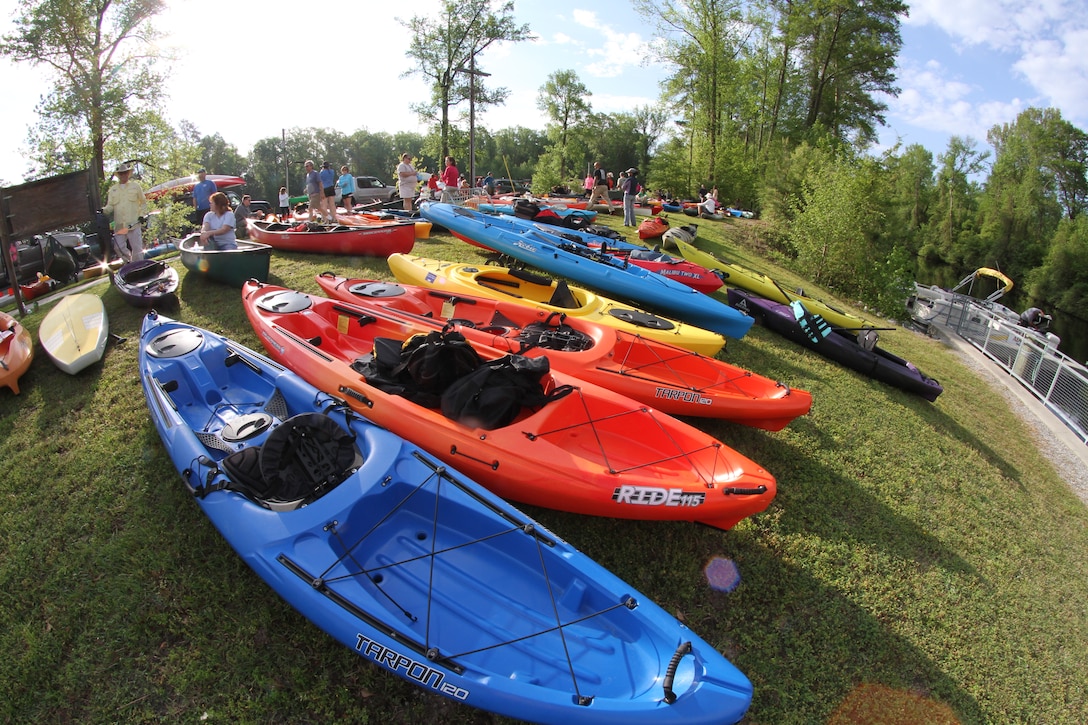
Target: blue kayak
[[604, 272], [408, 563]]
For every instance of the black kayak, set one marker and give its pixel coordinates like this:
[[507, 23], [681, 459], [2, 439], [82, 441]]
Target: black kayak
[[857, 353]]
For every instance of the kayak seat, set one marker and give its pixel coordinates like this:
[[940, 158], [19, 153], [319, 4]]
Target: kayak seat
[[562, 296], [301, 460]]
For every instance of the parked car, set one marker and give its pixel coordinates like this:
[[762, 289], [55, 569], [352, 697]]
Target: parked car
[[506, 186], [44, 254], [258, 207], [369, 189]]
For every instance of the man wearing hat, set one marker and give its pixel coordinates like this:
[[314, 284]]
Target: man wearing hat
[[202, 195], [125, 204]]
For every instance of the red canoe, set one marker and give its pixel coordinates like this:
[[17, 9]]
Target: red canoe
[[379, 240], [673, 380], [185, 184], [589, 451]]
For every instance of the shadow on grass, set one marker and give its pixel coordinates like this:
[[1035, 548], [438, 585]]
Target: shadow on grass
[[816, 498], [764, 354], [805, 645], [941, 420]]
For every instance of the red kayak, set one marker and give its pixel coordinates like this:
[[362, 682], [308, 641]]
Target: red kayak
[[673, 380], [653, 227], [677, 268], [566, 444], [378, 240]]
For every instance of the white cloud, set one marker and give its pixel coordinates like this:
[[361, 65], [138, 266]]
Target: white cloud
[[1058, 68], [998, 24], [563, 39], [933, 99], [586, 18], [1045, 41]]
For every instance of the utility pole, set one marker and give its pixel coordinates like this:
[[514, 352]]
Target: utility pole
[[472, 73]]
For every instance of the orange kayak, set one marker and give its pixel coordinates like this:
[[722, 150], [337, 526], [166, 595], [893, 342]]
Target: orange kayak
[[586, 449], [652, 228], [672, 379], [552, 295], [16, 351]]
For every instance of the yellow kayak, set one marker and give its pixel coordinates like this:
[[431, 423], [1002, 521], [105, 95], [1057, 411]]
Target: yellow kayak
[[550, 294], [758, 283]]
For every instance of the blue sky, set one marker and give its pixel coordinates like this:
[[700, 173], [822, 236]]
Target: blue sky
[[966, 65]]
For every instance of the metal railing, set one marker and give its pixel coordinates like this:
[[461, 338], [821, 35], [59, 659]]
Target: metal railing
[[1031, 357], [464, 197]]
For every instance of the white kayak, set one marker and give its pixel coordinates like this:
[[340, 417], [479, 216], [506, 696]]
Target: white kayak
[[74, 332]]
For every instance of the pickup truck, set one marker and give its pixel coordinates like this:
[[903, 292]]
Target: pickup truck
[[57, 254]]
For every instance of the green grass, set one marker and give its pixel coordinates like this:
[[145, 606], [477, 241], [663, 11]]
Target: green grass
[[919, 560]]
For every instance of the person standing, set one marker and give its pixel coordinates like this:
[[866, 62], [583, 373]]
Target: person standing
[[242, 213], [407, 178], [285, 203], [489, 184], [328, 188], [347, 189], [600, 188], [314, 192], [217, 229], [202, 193], [126, 204], [630, 191], [450, 174]]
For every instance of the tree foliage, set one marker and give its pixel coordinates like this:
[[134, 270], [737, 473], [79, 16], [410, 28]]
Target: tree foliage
[[702, 41], [848, 51], [445, 51], [1062, 279], [106, 87], [562, 98], [834, 217]]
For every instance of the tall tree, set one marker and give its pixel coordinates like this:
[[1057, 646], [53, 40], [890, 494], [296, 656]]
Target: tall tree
[[1022, 203], [951, 236], [907, 197], [445, 51], [102, 57], [563, 99], [701, 39], [849, 54]]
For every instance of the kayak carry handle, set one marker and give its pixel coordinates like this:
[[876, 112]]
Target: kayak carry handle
[[760, 489], [670, 673]]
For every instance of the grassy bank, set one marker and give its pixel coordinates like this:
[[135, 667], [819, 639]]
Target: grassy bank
[[921, 563]]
